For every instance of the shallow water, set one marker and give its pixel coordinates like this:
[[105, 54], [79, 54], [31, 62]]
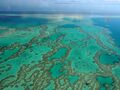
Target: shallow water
[[47, 52]]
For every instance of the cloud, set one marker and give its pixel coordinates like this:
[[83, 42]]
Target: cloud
[[61, 5]]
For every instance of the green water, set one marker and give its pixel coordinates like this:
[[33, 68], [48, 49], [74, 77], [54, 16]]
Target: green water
[[105, 82], [109, 59], [57, 52]]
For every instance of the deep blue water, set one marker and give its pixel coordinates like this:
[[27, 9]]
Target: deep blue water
[[69, 26], [16, 21], [113, 24]]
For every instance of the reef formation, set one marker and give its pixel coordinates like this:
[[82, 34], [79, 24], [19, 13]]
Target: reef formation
[[57, 54]]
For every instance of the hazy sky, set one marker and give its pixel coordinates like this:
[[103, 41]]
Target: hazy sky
[[89, 6]]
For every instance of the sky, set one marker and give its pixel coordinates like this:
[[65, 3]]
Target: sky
[[81, 6]]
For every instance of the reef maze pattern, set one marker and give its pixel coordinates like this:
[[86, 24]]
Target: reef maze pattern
[[60, 58]]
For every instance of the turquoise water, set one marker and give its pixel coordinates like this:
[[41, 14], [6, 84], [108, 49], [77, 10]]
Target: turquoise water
[[113, 24], [105, 82], [59, 52], [109, 59]]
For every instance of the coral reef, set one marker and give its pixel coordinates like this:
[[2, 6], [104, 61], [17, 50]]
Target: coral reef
[[58, 55]]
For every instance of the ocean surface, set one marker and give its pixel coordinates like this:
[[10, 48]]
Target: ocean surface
[[113, 24], [59, 52]]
